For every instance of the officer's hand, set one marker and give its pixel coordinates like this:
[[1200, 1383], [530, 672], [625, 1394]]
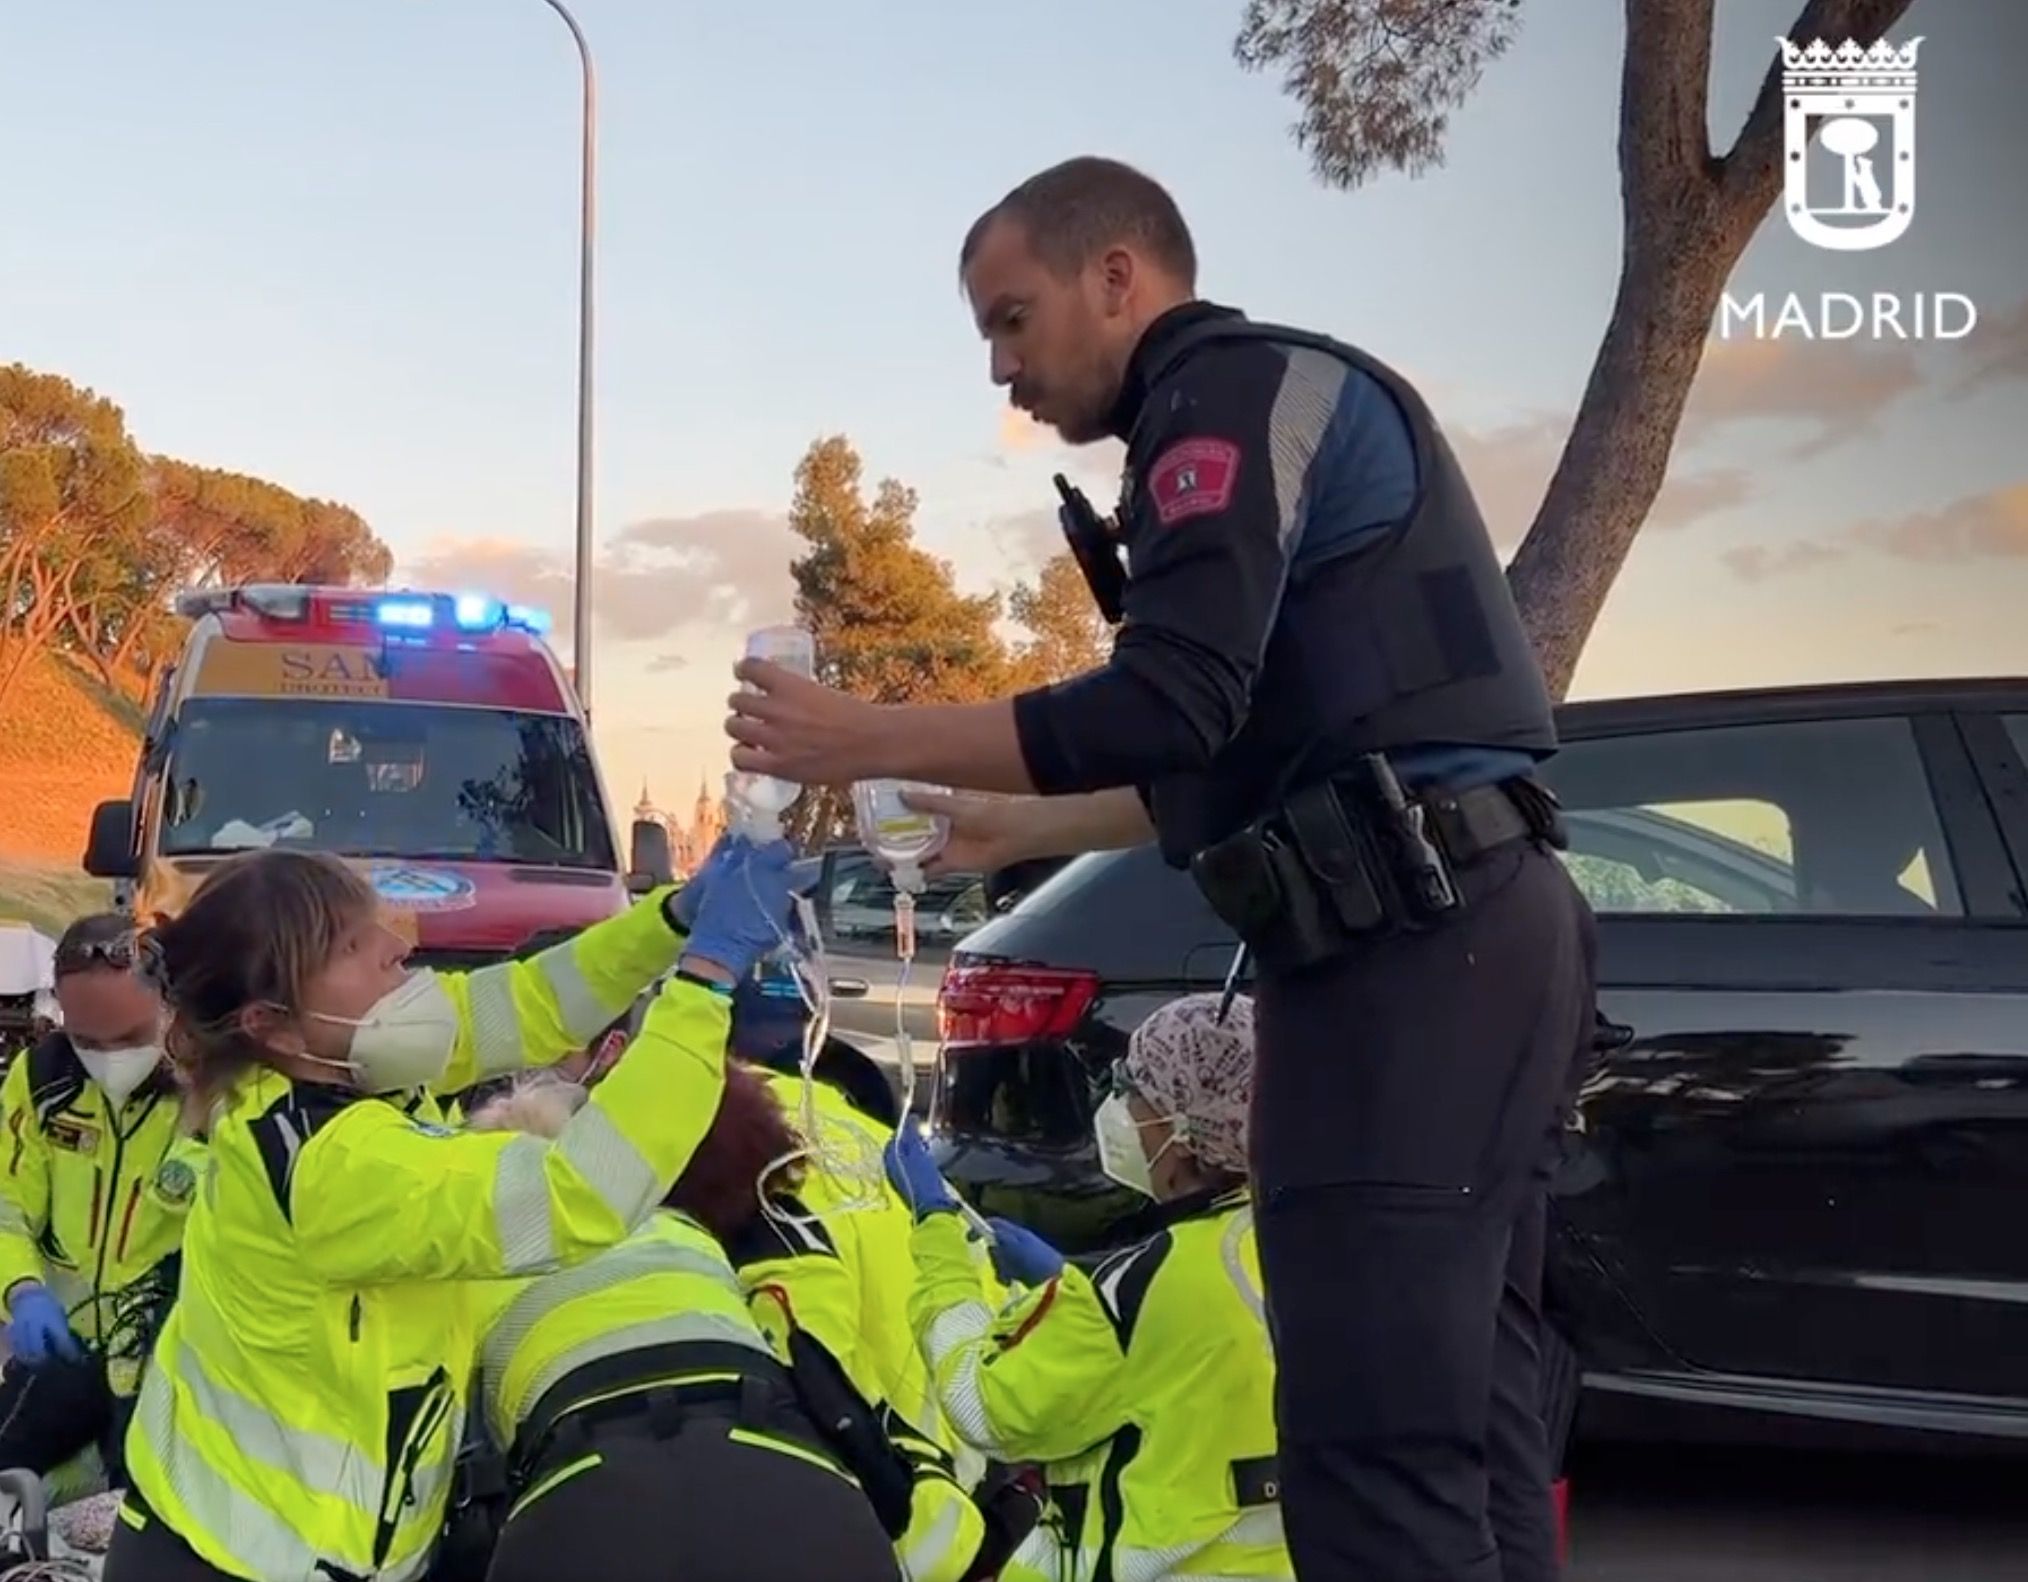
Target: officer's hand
[[985, 833], [745, 911], [1020, 1257], [686, 902], [789, 726], [914, 1174], [38, 1327]]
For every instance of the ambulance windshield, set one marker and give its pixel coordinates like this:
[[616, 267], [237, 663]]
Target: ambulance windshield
[[367, 778]]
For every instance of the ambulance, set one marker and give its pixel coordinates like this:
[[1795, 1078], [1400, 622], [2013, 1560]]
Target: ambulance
[[430, 739]]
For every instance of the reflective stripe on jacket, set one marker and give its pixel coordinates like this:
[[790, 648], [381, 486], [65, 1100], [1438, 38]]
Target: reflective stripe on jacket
[[840, 1263], [666, 1284], [308, 1393], [91, 1198], [1148, 1386]]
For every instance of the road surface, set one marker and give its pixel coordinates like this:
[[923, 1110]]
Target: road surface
[[1653, 1515]]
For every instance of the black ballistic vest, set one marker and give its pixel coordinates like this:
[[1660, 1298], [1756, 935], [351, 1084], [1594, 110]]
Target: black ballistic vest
[[1407, 638]]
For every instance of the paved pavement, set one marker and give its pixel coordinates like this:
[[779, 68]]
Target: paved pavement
[[1653, 1515]]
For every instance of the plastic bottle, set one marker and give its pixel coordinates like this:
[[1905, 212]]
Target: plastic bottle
[[757, 802]]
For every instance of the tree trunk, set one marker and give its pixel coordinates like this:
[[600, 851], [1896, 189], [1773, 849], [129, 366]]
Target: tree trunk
[[39, 623], [1617, 456], [1686, 220], [123, 651]]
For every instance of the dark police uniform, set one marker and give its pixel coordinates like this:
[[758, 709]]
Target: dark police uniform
[[1324, 693]]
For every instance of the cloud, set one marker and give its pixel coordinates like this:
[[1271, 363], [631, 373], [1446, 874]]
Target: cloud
[[1510, 467], [721, 571], [1995, 352], [1990, 526], [663, 664], [505, 568], [1020, 432], [1758, 562], [723, 568], [1835, 387], [1027, 538]]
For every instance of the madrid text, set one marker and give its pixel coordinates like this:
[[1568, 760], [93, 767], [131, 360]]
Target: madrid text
[[1846, 315]]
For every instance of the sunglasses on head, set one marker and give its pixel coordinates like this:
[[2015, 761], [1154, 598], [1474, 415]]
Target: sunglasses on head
[[123, 953]]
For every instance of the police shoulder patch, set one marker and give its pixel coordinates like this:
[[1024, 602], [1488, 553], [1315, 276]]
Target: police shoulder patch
[[1193, 477]]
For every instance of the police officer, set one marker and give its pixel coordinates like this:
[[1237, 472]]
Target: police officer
[[1322, 701], [98, 1176]]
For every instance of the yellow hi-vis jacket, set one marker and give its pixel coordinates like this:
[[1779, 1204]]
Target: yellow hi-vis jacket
[[1146, 1389], [666, 1289], [93, 1196], [839, 1266], [307, 1396]]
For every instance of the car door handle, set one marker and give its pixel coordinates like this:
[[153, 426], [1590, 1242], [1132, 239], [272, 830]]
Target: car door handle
[[850, 988]]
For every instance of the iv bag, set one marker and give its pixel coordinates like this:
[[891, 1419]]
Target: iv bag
[[900, 837]]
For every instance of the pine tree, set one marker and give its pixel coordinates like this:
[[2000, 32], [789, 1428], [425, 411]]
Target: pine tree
[[890, 623], [1067, 635]]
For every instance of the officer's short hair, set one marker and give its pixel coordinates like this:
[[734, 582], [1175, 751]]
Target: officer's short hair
[[1076, 210]]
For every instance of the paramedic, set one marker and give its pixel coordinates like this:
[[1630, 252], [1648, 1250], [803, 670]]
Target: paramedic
[[306, 1400], [98, 1178], [1147, 1387]]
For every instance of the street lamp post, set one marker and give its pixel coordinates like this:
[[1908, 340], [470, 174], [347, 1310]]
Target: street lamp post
[[581, 610]]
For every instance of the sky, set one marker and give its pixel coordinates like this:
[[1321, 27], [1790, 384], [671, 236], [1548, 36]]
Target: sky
[[336, 245]]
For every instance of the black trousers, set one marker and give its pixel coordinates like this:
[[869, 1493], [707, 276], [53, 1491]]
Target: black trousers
[[146, 1551], [1406, 1111], [53, 1412], [698, 1505]]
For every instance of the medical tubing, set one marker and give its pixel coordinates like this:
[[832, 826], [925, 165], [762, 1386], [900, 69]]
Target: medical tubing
[[904, 945], [811, 974]]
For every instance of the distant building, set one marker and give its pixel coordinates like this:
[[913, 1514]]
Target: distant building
[[689, 844]]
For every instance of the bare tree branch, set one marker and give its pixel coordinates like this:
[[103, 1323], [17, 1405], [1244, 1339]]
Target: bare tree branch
[[1665, 152], [1752, 173]]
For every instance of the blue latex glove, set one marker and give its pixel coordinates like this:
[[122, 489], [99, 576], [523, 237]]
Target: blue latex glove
[[1020, 1257], [914, 1174], [745, 911], [685, 904], [39, 1327]]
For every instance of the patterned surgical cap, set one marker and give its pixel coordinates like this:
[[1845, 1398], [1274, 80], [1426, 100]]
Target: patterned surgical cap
[[1192, 1068]]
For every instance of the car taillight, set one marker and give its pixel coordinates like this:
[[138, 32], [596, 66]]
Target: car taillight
[[986, 1003]]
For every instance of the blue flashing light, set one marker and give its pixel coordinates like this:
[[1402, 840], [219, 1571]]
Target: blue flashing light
[[414, 615], [477, 612], [528, 618]]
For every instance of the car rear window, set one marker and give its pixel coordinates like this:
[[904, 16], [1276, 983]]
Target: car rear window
[[1815, 817]]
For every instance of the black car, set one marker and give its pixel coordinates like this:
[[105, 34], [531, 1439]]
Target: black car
[[1791, 1198]]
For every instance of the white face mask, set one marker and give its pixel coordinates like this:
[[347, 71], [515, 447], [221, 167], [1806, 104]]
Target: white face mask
[[1122, 1154], [405, 1041], [120, 1071]]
